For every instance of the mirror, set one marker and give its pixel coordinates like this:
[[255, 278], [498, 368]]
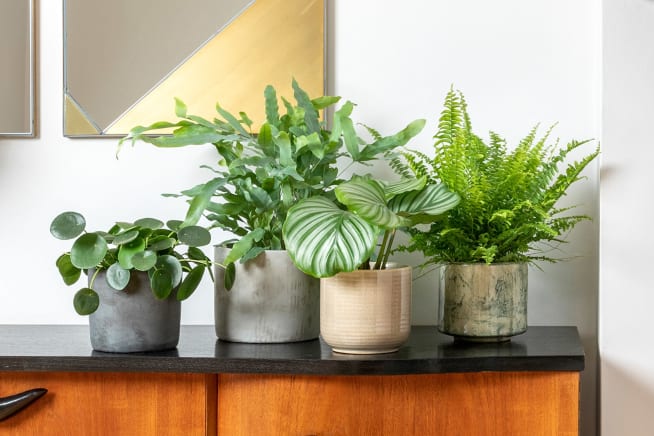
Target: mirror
[[17, 68], [124, 65]]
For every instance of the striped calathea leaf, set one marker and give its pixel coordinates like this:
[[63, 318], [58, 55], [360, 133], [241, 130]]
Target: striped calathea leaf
[[324, 239]]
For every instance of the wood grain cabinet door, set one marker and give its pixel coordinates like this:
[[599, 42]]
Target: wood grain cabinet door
[[467, 404], [116, 404]]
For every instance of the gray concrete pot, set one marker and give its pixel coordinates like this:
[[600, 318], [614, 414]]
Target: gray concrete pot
[[271, 301], [483, 303], [133, 320]]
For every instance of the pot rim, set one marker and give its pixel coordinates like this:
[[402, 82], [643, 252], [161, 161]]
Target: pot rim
[[392, 269], [229, 248], [483, 263]]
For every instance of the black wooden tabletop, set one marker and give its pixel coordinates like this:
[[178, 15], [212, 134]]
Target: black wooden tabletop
[[68, 348]]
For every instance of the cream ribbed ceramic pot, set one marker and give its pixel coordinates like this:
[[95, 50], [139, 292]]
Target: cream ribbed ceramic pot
[[366, 311]]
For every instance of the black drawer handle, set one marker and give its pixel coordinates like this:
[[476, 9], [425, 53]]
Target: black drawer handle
[[14, 403]]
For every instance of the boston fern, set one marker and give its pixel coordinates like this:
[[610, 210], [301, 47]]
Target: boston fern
[[261, 174], [508, 197]]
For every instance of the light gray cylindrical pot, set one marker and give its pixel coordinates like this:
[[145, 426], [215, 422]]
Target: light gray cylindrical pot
[[271, 301], [133, 320], [483, 303]]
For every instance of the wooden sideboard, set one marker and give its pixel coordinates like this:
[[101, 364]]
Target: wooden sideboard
[[432, 386]]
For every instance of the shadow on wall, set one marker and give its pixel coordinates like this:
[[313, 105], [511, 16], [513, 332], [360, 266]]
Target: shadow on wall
[[626, 401]]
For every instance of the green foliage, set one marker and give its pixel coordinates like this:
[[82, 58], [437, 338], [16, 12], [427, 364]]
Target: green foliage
[[260, 175], [508, 198], [324, 238], [144, 245]]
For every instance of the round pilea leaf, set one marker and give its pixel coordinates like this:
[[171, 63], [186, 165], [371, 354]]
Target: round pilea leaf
[[145, 232], [69, 272], [117, 277], [173, 224], [172, 265], [126, 237], [88, 250], [86, 301], [149, 223], [107, 236], [67, 225], [194, 236], [160, 243], [128, 250], [190, 283], [144, 260], [161, 282]]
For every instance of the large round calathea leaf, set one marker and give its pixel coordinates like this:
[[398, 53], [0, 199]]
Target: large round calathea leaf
[[424, 205], [67, 225], [366, 198], [393, 189], [324, 240], [88, 250]]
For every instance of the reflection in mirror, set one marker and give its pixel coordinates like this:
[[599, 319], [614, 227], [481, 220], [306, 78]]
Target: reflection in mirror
[[125, 60], [17, 68]]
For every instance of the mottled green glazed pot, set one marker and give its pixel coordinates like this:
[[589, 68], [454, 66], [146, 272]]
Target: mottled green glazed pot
[[483, 303]]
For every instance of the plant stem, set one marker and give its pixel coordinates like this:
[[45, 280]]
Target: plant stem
[[347, 167], [387, 254], [95, 274], [382, 249]]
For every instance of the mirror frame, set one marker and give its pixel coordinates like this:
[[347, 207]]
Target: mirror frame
[[31, 70]]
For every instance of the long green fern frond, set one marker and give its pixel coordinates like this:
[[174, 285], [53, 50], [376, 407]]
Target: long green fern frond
[[398, 164], [508, 197]]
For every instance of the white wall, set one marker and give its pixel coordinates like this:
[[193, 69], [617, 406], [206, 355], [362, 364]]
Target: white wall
[[626, 298], [518, 63]]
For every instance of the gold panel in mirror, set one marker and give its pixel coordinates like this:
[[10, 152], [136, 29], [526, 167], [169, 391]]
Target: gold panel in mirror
[[230, 51], [17, 67]]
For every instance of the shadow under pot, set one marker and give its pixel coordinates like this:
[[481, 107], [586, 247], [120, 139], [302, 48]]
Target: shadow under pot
[[133, 320], [483, 302], [366, 311], [271, 301]]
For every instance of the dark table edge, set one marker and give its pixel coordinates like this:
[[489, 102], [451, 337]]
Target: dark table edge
[[248, 366], [387, 365]]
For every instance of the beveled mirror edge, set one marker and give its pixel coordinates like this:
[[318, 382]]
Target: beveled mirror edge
[[32, 78], [103, 134]]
